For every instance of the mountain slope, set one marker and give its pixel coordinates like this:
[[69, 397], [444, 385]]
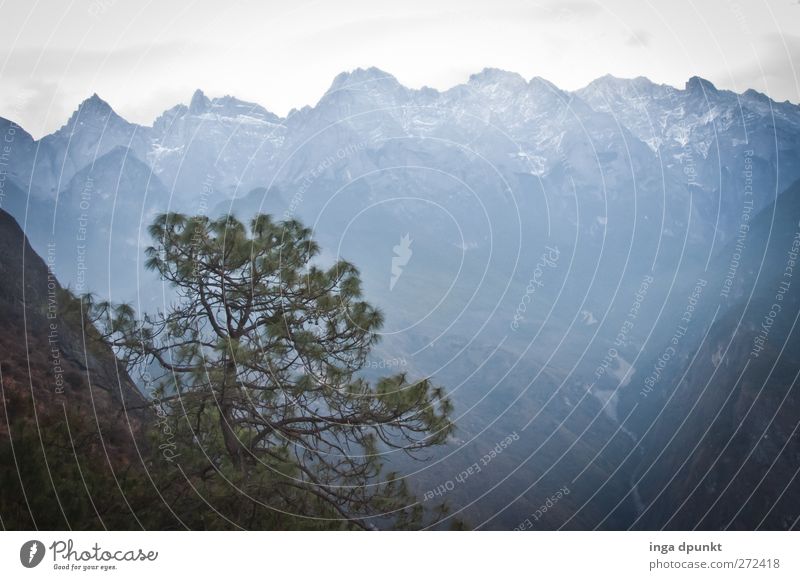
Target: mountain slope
[[70, 413], [719, 429]]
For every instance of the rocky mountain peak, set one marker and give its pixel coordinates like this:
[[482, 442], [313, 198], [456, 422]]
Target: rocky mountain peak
[[363, 79], [700, 85], [495, 77], [199, 104]]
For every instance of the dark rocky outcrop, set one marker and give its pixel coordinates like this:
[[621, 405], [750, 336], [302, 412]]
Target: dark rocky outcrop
[[72, 421]]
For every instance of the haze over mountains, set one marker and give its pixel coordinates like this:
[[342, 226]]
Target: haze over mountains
[[554, 241]]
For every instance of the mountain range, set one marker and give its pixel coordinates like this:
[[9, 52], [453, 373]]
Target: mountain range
[[550, 242], [497, 138]]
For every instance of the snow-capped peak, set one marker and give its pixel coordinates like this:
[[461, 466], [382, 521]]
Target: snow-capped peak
[[497, 77], [362, 79]]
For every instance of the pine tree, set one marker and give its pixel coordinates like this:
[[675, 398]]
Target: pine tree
[[259, 360]]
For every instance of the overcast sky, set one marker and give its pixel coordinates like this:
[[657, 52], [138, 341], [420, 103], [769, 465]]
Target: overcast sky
[[145, 56]]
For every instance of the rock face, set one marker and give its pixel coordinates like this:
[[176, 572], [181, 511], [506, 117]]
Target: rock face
[[718, 430], [36, 307], [724, 455], [67, 403]]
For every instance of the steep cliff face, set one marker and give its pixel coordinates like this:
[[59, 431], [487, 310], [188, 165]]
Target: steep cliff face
[[725, 454], [719, 432], [72, 421]]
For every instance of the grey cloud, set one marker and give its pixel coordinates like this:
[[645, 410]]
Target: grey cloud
[[53, 63]]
